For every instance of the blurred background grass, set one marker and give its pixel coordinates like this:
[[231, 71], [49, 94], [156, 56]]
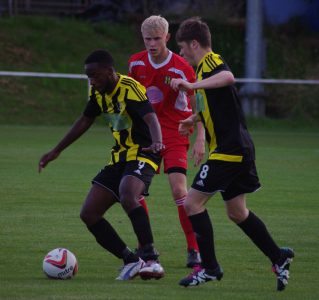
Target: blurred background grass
[[60, 45]]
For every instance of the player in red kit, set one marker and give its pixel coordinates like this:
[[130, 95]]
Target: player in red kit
[[154, 68]]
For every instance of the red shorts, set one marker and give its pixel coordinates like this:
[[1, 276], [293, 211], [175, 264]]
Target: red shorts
[[174, 156]]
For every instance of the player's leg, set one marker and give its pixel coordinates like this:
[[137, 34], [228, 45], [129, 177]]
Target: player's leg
[[178, 184], [198, 215], [257, 231], [99, 199], [130, 190], [97, 202], [142, 200], [211, 178], [134, 184], [175, 165], [253, 226]]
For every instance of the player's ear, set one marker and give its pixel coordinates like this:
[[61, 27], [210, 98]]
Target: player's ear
[[109, 70], [168, 36], [194, 44]]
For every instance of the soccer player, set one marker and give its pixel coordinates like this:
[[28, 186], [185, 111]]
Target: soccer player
[[230, 168], [134, 160], [154, 68]]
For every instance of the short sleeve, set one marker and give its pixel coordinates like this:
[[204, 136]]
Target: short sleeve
[[92, 109], [140, 108]]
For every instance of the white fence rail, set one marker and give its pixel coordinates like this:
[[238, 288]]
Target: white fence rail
[[82, 76], [252, 106], [37, 74], [277, 81]]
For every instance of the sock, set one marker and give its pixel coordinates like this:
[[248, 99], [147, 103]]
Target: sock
[[141, 226], [186, 225], [256, 230], [148, 252], [107, 237], [205, 239], [142, 202], [129, 256]]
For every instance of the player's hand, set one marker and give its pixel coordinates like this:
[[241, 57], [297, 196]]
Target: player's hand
[[180, 84], [198, 151], [46, 158], [155, 147], [185, 127]]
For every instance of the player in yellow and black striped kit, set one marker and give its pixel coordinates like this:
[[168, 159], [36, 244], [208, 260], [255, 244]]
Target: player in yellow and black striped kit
[[230, 168], [134, 161]]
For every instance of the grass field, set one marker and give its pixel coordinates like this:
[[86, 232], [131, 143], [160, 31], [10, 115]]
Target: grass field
[[39, 212]]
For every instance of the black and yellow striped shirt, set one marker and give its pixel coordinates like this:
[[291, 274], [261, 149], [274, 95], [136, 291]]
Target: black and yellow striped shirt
[[222, 115], [123, 110]]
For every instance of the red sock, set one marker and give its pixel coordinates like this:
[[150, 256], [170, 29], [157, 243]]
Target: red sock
[[142, 201], [186, 225]]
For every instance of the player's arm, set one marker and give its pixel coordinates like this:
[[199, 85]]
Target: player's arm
[[155, 130], [185, 126], [79, 127], [145, 111], [218, 80], [198, 149]]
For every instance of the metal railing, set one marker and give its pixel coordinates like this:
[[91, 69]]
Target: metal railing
[[82, 76], [253, 104]]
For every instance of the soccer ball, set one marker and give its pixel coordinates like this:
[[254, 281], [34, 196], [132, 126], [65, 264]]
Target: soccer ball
[[60, 263]]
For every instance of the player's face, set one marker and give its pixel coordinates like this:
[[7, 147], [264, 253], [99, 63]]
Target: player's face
[[101, 78], [187, 51], [155, 43]]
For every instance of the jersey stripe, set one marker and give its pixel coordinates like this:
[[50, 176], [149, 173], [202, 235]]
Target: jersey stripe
[[133, 85], [124, 117], [135, 63], [222, 116], [179, 72]]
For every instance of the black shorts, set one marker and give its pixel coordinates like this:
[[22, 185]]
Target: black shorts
[[111, 176], [229, 178]]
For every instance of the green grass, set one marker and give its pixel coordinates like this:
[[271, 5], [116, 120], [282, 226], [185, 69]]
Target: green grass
[[42, 44], [60, 45], [39, 212]]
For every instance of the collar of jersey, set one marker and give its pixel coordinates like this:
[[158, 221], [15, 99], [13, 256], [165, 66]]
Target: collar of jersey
[[165, 62]]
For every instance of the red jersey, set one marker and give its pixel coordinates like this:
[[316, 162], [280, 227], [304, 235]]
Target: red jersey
[[170, 106]]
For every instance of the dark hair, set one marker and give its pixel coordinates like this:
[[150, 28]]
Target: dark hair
[[101, 57], [194, 29]]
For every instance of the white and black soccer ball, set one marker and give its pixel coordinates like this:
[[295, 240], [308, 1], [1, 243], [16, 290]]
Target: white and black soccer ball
[[60, 263]]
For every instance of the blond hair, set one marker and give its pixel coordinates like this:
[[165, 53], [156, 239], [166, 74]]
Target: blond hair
[[155, 23]]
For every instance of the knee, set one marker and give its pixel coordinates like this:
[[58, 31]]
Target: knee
[[127, 205], [192, 208], [187, 208], [84, 216], [178, 192], [238, 216], [88, 218], [129, 202]]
